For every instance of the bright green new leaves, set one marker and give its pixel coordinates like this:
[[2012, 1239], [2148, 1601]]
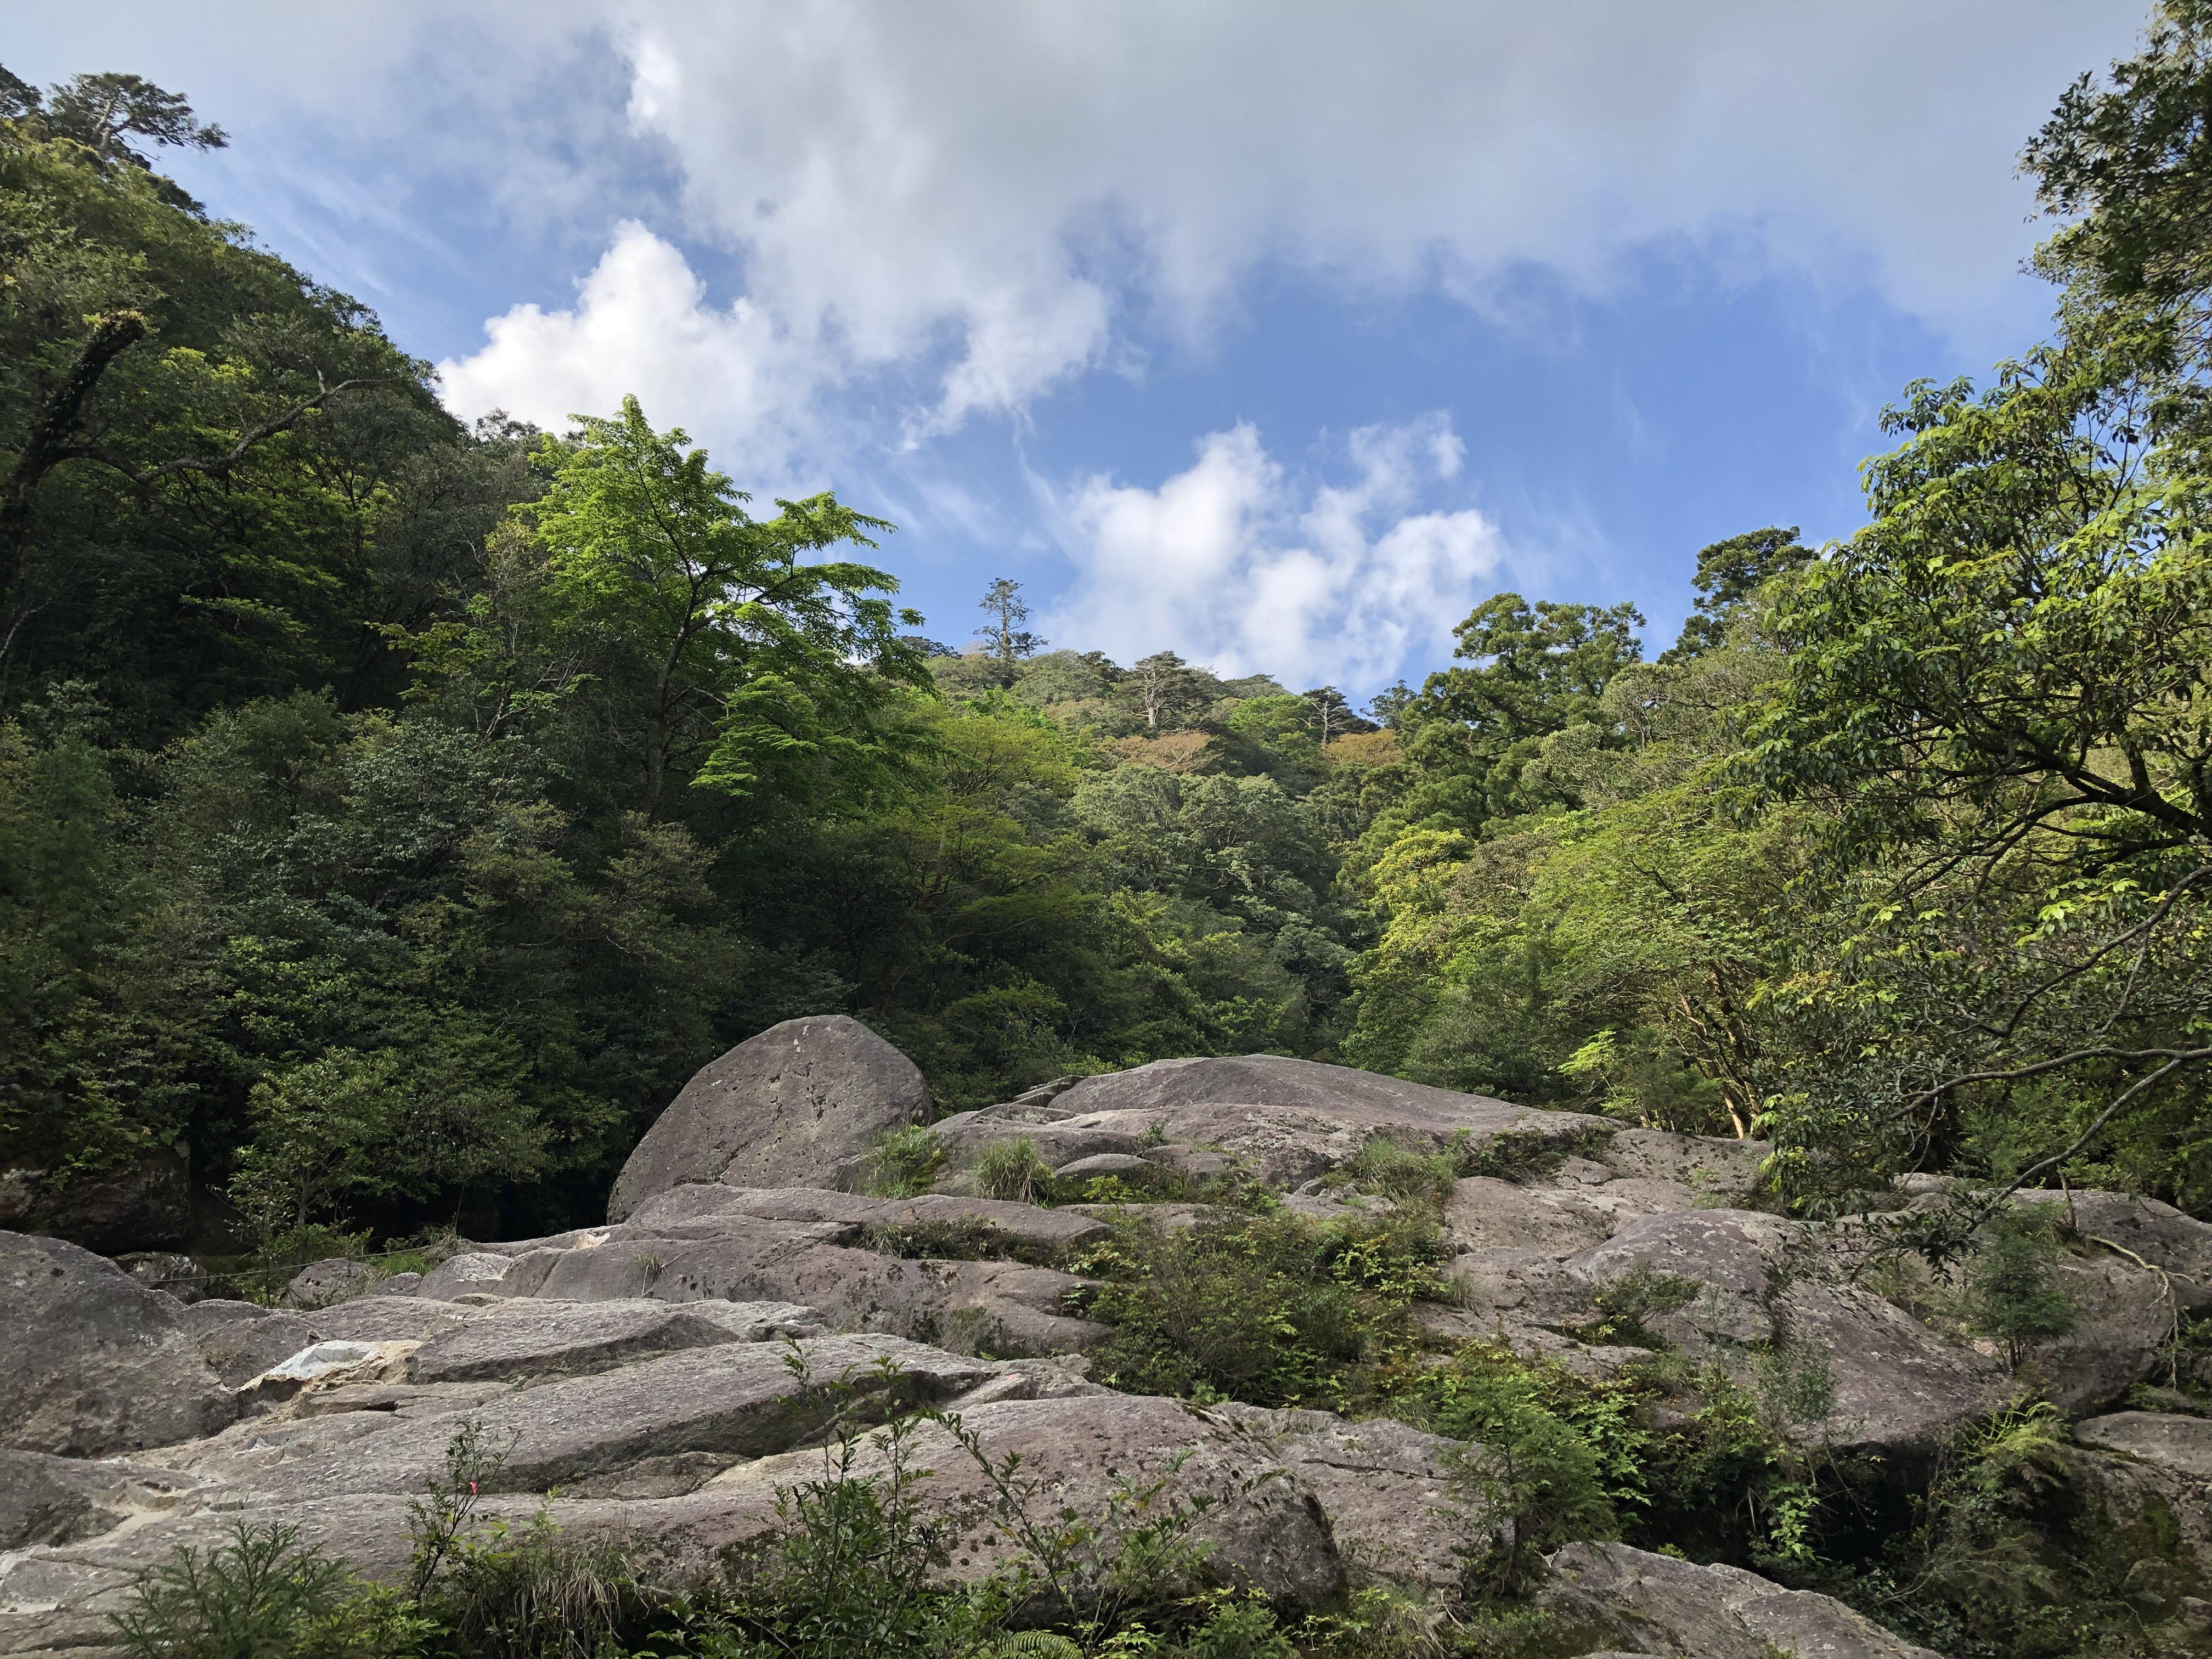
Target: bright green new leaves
[[2022, 637], [637, 608], [720, 654]]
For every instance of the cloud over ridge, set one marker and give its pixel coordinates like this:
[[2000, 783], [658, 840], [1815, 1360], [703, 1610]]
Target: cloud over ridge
[[1240, 564]]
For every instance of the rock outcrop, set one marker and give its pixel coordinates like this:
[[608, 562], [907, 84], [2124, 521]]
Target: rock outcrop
[[142, 1204], [669, 1373], [784, 1109]]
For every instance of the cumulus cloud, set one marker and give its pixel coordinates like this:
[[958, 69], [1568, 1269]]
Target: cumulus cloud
[[1238, 563], [981, 202], [641, 324]]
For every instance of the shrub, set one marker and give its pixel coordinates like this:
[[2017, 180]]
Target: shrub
[[1270, 1309], [2013, 1294], [1383, 1165], [1535, 1477], [1623, 1305], [1011, 1170], [263, 1593], [1525, 1155]]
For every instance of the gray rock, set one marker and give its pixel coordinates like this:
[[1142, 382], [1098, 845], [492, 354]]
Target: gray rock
[[320, 1284], [679, 1213], [1488, 1214], [166, 1270], [240, 1350], [1270, 1532], [1729, 1254], [212, 1313], [1656, 1604], [2183, 1444], [784, 1109], [45, 1499], [397, 1284], [1387, 1489], [739, 1399], [1289, 1119], [1899, 1388], [1723, 1172], [539, 1339], [1759, 1280], [996, 1307], [142, 1204], [96, 1364], [460, 1275]]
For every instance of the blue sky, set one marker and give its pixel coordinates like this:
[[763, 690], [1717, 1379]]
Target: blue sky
[[1278, 335]]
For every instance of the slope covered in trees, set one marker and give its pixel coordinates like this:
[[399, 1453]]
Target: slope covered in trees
[[397, 812]]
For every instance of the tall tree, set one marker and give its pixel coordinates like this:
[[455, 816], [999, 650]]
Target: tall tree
[[705, 648], [1164, 686], [1008, 643], [1728, 574]]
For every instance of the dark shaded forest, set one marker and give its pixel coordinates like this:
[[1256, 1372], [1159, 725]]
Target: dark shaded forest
[[395, 812]]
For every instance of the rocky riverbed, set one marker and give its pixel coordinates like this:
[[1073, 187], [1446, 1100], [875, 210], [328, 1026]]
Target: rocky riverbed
[[656, 1373]]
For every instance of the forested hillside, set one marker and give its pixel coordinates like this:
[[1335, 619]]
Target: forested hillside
[[396, 813]]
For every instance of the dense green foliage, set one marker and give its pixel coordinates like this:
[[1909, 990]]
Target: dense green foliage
[[398, 813]]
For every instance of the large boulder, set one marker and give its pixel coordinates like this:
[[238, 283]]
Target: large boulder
[[96, 1363], [786, 1109]]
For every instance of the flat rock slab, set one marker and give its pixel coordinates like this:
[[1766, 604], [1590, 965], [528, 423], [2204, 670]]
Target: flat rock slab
[[526, 1338], [785, 1109], [1287, 1120], [44, 1499], [1649, 1603], [692, 1210], [741, 1400], [2183, 1444], [995, 1306]]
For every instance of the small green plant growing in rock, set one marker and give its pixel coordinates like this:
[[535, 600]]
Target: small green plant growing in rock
[[1795, 1384], [2013, 1296], [1522, 1155], [1011, 1170], [903, 1162], [1624, 1304]]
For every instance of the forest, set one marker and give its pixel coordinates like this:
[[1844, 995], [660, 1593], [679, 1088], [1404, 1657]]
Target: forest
[[395, 813]]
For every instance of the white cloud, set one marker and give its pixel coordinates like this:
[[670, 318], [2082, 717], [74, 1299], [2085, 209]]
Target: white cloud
[[978, 203], [640, 324], [1236, 563], [933, 212]]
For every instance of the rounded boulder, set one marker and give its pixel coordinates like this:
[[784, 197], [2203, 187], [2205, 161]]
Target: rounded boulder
[[785, 1109]]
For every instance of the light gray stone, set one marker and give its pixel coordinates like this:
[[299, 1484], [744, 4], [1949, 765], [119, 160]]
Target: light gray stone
[[528, 1339], [322, 1283], [44, 1499], [1389, 1491], [1656, 1604], [2183, 1444], [785, 1109], [96, 1364]]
